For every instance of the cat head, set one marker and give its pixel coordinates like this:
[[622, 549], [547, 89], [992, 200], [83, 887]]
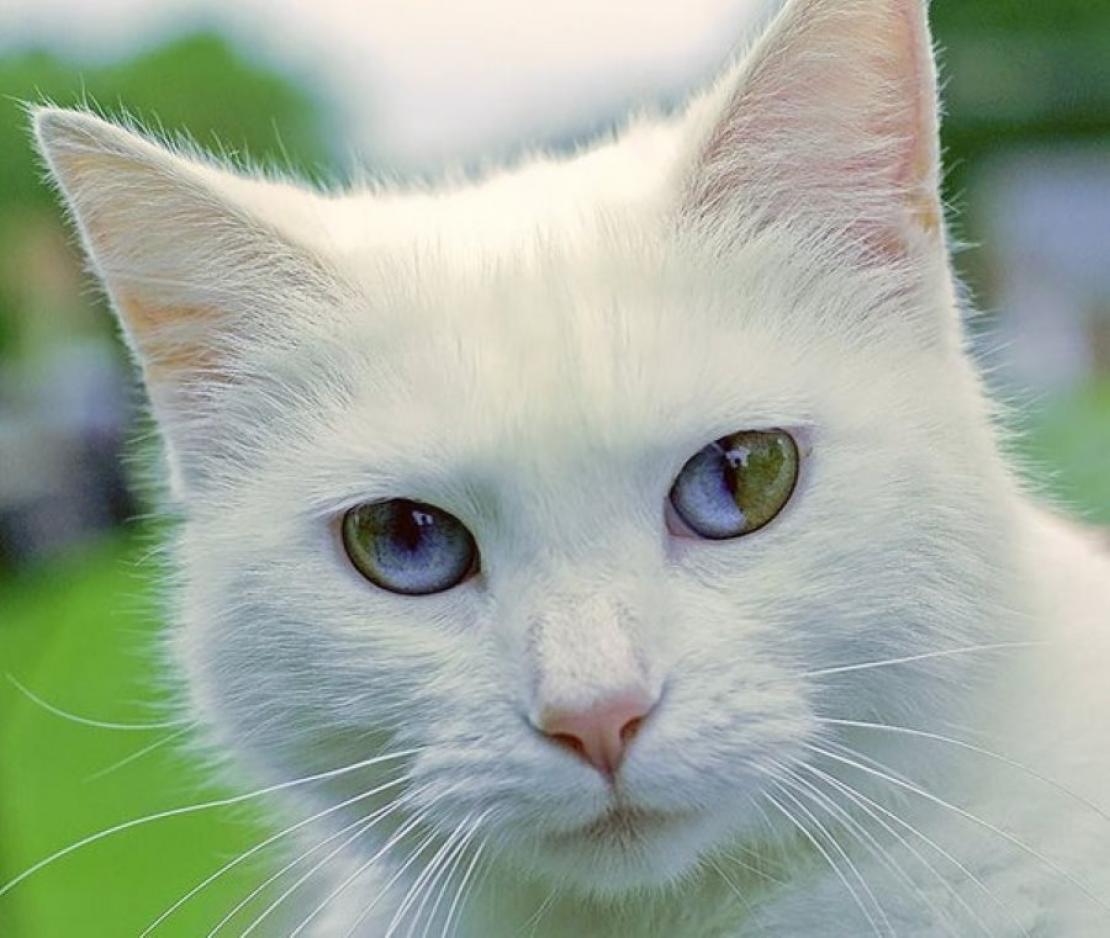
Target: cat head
[[585, 486]]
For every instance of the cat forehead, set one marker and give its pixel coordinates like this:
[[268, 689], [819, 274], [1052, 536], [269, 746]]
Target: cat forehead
[[548, 378], [569, 339], [539, 197]]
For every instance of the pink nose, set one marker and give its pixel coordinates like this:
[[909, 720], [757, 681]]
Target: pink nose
[[601, 733]]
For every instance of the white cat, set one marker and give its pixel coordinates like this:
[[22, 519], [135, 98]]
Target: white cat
[[465, 577]]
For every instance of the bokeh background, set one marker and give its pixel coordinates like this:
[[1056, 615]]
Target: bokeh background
[[408, 86]]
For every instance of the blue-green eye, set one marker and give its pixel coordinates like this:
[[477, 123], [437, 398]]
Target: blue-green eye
[[409, 547], [736, 485]]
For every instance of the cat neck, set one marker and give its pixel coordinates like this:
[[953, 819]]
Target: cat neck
[[704, 907], [716, 901]]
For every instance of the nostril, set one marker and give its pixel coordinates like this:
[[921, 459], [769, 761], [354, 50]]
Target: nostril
[[630, 729], [569, 742]]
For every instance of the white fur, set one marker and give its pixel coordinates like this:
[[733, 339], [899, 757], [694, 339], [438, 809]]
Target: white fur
[[539, 352]]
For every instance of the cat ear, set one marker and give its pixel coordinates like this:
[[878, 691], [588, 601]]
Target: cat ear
[[193, 262], [831, 120]]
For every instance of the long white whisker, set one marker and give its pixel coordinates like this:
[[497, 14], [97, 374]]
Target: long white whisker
[[736, 891], [827, 834], [194, 808], [756, 856], [867, 804], [940, 802], [829, 805], [138, 754], [398, 835], [926, 656], [440, 883], [96, 724], [751, 868], [384, 891], [825, 855], [363, 826], [418, 884], [456, 903], [970, 747], [536, 917], [261, 845]]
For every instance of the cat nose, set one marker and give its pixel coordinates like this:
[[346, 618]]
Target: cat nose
[[601, 733]]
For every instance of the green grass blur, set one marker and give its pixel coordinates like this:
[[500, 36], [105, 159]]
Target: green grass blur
[[82, 633], [1066, 452]]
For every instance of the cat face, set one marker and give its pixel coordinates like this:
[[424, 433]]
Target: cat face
[[531, 361]]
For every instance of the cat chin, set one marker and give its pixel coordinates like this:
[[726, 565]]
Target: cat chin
[[621, 852]]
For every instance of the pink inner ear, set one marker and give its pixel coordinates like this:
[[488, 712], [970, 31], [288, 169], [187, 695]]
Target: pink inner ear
[[175, 344], [833, 122]]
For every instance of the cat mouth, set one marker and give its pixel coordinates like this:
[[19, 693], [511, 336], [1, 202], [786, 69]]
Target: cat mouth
[[624, 825]]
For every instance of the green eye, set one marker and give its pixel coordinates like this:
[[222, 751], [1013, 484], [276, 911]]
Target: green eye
[[736, 485], [408, 547]]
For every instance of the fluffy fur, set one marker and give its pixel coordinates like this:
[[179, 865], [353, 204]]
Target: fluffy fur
[[539, 352]]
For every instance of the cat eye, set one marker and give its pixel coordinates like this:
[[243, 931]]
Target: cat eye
[[736, 485], [408, 547]]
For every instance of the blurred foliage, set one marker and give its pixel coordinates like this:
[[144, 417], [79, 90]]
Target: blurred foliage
[[1017, 73], [1037, 19], [196, 84], [1067, 451]]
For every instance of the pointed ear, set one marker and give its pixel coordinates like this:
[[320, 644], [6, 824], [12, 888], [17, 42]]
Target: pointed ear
[[831, 120], [196, 261]]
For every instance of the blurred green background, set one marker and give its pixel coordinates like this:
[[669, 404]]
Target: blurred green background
[[1028, 145]]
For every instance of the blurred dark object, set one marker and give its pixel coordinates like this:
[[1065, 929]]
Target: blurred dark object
[[62, 435]]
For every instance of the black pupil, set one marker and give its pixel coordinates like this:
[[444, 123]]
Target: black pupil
[[409, 525]]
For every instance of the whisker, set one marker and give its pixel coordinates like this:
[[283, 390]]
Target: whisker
[[384, 890], [363, 826], [940, 802], [261, 845], [96, 724], [825, 855], [417, 886], [756, 856], [734, 888], [401, 832], [195, 808], [443, 874], [456, 903], [536, 917], [138, 754], [827, 834], [867, 804], [970, 747], [455, 863], [926, 656], [862, 834], [751, 868]]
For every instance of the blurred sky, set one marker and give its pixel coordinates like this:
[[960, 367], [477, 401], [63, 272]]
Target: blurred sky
[[418, 81]]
